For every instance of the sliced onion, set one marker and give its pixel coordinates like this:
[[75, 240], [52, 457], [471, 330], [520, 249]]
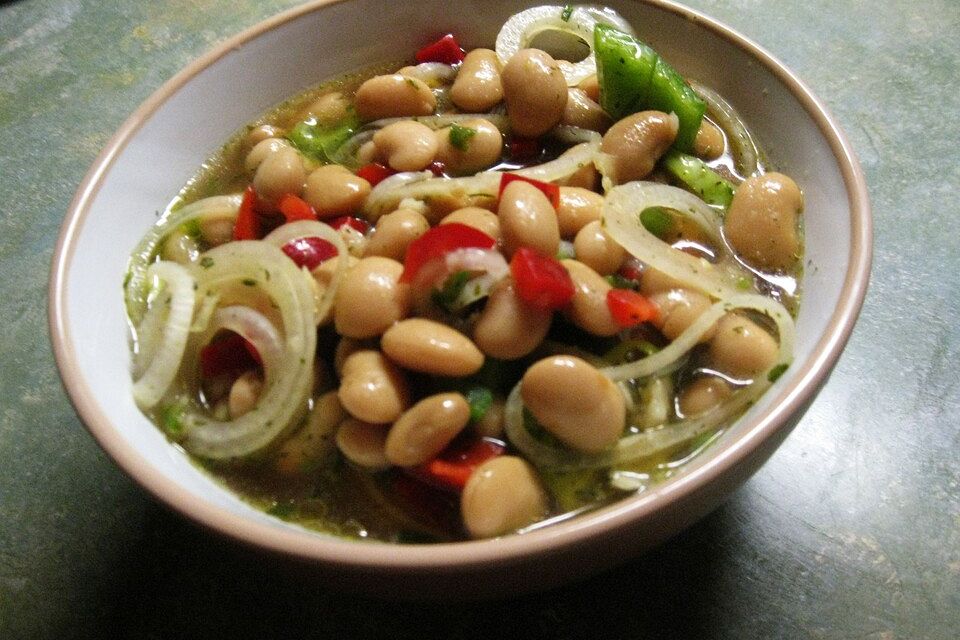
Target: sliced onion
[[287, 351], [422, 186], [164, 352], [136, 286], [489, 262], [522, 29], [621, 220], [433, 74], [745, 148]]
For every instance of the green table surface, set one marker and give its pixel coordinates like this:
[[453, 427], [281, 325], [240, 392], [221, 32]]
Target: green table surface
[[852, 530]]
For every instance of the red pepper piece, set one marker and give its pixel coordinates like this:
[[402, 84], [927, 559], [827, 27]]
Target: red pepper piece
[[358, 224], [452, 468], [631, 269], [294, 208], [437, 168], [439, 241], [540, 281], [232, 354], [309, 252], [524, 148], [630, 308], [550, 190], [247, 224], [374, 173], [445, 50]]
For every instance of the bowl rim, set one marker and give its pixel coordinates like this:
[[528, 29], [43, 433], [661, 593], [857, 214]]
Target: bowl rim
[[365, 556]]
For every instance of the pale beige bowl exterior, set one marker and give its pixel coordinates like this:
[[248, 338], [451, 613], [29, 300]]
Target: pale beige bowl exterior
[[168, 137]]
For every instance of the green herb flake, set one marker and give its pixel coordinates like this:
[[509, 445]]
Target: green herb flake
[[454, 285], [566, 13], [657, 221], [618, 281], [460, 136], [249, 282], [480, 400], [744, 283], [777, 371], [191, 229], [206, 262]]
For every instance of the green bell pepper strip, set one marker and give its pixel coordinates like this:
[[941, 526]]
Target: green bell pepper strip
[[700, 179], [633, 77]]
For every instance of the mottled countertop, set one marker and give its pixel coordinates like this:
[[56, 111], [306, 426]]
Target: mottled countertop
[[852, 530]]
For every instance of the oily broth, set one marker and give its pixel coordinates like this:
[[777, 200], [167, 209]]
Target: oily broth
[[339, 499]]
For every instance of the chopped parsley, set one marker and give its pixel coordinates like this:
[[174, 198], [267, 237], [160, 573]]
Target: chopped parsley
[[460, 136], [480, 400], [777, 371], [454, 285], [566, 13], [206, 262], [249, 282]]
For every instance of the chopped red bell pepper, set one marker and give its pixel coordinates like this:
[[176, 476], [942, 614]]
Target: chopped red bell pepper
[[445, 50], [294, 208], [437, 168], [439, 241], [374, 173], [550, 190], [231, 354], [309, 252], [630, 308], [247, 224], [540, 281], [452, 468], [357, 224], [524, 148]]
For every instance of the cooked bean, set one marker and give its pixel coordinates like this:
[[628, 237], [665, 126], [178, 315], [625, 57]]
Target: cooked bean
[[578, 207], [244, 394], [334, 191], [702, 395], [393, 96], [581, 111], [479, 149], [535, 92], [502, 495], [394, 233], [591, 86], [586, 177], [761, 223], [426, 428], [363, 444], [315, 440], [508, 328], [478, 87], [406, 145], [431, 347], [345, 348], [588, 308], [371, 298], [741, 348], [574, 402], [372, 388], [637, 142], [709, 143], [492, 423], [653, 281], [280, 173], [527, 219], [330, 108], [597, 250], [679, 308], [217, 229], [257, 135], [478, 218], [367, 153]]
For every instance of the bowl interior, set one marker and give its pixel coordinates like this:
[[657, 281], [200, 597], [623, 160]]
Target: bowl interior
[[165, 141]]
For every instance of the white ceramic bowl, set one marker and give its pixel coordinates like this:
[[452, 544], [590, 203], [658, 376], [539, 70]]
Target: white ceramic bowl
[[176, 129]]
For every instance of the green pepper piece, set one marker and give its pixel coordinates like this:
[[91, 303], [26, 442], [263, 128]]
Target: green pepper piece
[[633, 77], [624, 69], [696, 176]]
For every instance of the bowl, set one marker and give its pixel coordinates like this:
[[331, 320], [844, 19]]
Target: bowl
[[161, 145]]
